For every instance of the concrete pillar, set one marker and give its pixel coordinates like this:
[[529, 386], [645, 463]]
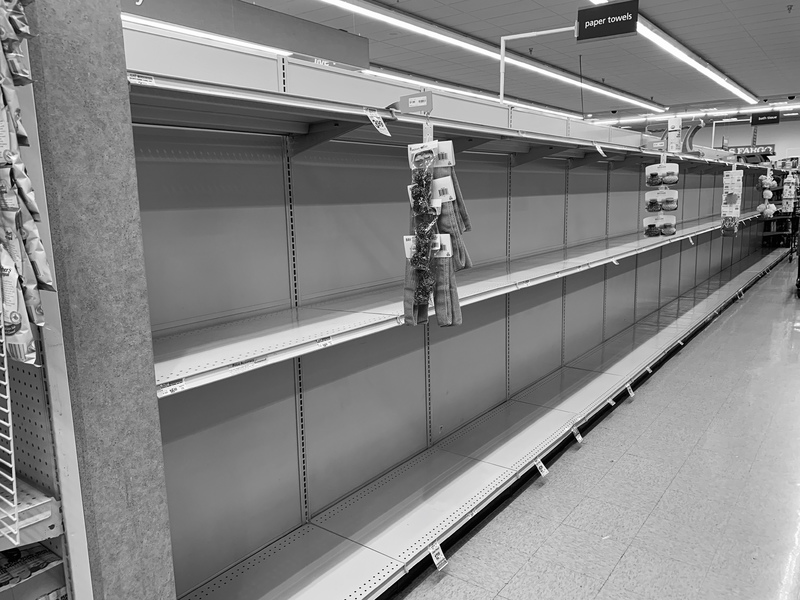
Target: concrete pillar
[[90, 177]]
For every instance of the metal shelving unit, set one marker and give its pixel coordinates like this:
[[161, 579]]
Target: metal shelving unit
[[389, 525], [206, 355]]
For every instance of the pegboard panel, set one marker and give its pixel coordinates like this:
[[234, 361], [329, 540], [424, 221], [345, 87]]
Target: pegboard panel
[[33, 431]]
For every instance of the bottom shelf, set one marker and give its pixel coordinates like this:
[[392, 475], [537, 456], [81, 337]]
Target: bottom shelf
[[359, 547], [20, 571]]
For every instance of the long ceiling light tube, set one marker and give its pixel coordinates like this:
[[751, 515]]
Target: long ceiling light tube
[[662, 40], [431, 31]]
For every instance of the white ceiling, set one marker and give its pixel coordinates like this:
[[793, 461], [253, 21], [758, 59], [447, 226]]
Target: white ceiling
[[755, 42]]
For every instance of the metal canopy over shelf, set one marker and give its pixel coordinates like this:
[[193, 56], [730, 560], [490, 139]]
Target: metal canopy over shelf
[[161, 100], [371, 537], [199, 357]]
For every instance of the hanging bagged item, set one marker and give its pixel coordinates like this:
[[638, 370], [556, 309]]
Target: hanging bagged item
[[30, 291], [34, 248], [18, 18], [420, 280], [11, 100], [8, 37], [20, 344], [10, 154]]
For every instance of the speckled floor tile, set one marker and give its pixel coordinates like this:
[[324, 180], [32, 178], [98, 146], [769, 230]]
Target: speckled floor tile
[[540, 579], [661, 449], [517, 529], [692, 544], [551, 503], [757, 563], [581, 551], [620, 523], [634, 481], [655, 577], [693, 510], [616, 592], [742, 447], [724, 588], [489, 566]]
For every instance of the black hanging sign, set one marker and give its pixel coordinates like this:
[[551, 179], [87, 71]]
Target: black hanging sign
[[771, 118], [608, 20]]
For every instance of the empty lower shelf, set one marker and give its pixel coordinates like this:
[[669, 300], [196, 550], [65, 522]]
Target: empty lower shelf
[[364, 543], [202, 356]]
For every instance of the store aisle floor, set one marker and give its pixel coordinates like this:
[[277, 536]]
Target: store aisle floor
[[689, 491]]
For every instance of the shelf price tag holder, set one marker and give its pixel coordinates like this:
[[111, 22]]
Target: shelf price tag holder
[[577, 434], [437, 554], [543, 471], [630, 390]]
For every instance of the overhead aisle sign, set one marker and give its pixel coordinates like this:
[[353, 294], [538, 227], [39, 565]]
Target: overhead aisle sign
[[608, 20]]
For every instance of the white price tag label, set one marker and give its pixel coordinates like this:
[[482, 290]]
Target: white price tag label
[[611, 402], [630, 390], [246, 365], [377, 121], [540, 465], [577, 435], [445, 249], [325, 342], [437, 554], [138, 79], [173, 387]]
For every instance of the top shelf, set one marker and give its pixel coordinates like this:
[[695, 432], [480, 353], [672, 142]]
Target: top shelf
[[256, 91], [200, 357]]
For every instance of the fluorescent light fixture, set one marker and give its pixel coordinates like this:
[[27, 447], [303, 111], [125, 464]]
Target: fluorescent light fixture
[[665, 44], [202, 35], [357, 8], [599, 1], [791, 114], [578, 83], [462, 92]]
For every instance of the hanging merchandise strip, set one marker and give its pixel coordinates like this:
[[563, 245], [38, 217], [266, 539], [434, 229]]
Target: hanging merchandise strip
[[25, 270], [663, 199], [435, 249], [731, 201]]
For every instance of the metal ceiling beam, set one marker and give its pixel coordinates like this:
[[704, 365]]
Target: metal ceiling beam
[[319, 133]]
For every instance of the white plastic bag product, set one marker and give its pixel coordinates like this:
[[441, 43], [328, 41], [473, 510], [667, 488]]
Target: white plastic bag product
[[19, 336]]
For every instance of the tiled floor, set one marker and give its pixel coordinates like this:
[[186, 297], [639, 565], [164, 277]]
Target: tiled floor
[[689, 491]]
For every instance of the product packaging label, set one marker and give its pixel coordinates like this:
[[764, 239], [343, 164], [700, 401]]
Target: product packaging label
[[446, 155], [732, 193], [418, 154], [443, 190], [445, 246]]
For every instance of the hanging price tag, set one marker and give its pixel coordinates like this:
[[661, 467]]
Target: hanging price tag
[[540, 465], [325, 342], [173, 387], [577, 435], [610, 402], [137, 79], [437, 554], [630, 390], [377, 121]]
